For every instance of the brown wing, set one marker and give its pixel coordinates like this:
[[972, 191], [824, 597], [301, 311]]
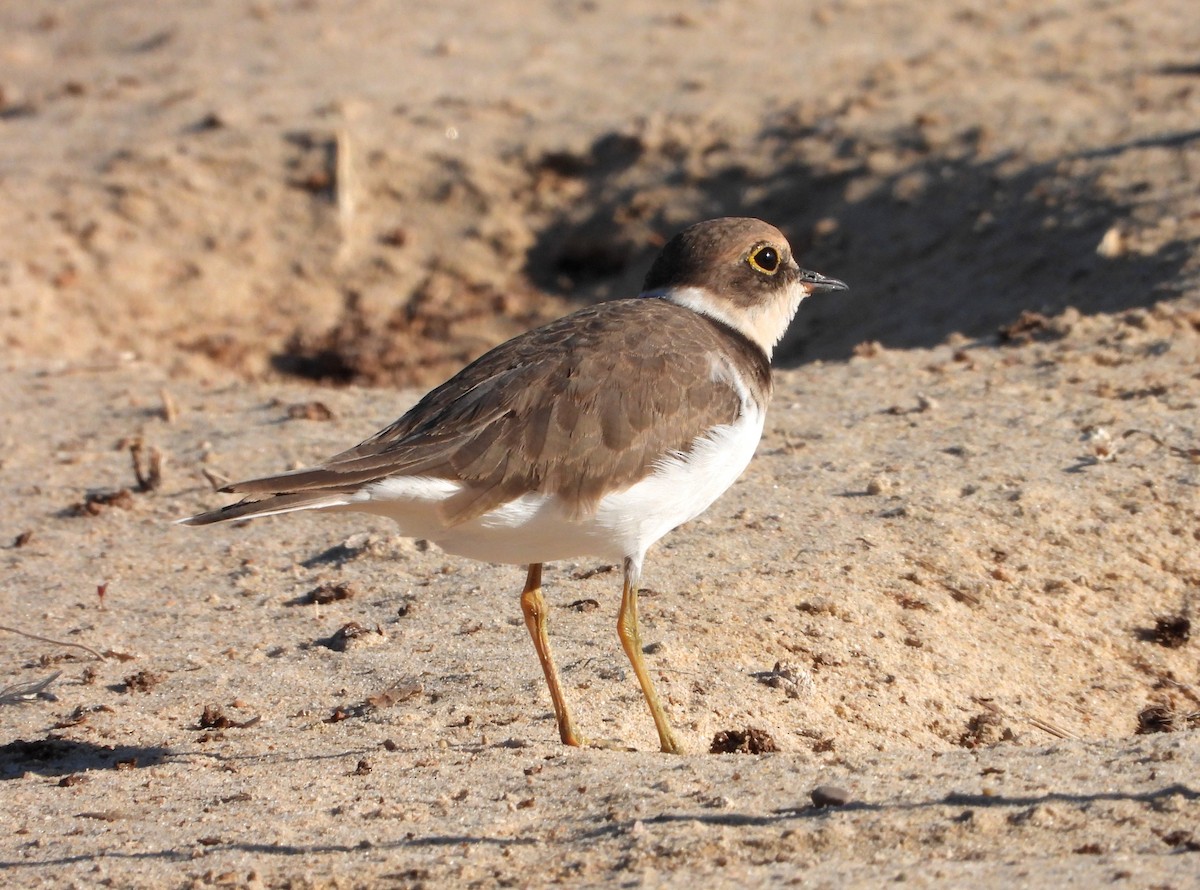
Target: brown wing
[[573, 408]]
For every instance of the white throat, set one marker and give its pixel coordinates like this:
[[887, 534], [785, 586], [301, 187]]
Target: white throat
[[765, 324]]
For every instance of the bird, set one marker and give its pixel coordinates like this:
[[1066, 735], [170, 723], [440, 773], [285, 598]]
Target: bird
[[592, 436]]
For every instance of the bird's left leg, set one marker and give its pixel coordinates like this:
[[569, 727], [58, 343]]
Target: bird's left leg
[[631, 642]]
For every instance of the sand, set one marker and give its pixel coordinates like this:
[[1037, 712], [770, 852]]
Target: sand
[[953, 594]]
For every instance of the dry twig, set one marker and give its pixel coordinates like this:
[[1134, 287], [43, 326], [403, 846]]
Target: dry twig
[[23, 633]]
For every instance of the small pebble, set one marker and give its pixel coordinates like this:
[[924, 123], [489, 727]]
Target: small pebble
[[879, 485], [1113, 244], [830, 796]]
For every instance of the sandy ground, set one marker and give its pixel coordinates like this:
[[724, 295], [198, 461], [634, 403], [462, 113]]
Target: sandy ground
[[957, 584]]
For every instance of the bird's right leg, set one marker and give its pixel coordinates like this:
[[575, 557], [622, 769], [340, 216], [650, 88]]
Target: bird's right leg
[[534, 609]]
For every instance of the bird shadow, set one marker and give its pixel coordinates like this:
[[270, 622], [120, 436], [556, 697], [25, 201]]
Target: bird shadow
[[954, 799], [610, 828]]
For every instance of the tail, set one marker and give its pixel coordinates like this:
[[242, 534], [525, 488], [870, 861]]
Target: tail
[[271, 505]]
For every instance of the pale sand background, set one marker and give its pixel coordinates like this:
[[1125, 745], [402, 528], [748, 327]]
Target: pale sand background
[[959, 545]]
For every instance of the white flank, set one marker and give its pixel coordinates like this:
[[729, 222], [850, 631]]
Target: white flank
[[537, 528]]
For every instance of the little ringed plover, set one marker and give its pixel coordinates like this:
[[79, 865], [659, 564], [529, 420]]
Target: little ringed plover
[[592, 436]]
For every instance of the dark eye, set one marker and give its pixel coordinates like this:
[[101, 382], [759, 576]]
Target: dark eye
[[764, 259]]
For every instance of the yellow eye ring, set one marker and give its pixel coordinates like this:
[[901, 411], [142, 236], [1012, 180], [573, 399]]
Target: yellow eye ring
[[765, 259]]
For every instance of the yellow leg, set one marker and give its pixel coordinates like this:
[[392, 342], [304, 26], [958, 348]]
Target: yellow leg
[[534, 609], [631, 642]]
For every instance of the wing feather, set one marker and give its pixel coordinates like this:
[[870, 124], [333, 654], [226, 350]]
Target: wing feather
[[575, 408]]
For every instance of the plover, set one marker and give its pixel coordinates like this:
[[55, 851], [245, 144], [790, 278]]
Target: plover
[[592, 436]]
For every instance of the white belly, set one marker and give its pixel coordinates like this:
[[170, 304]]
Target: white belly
[[536, 528]]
